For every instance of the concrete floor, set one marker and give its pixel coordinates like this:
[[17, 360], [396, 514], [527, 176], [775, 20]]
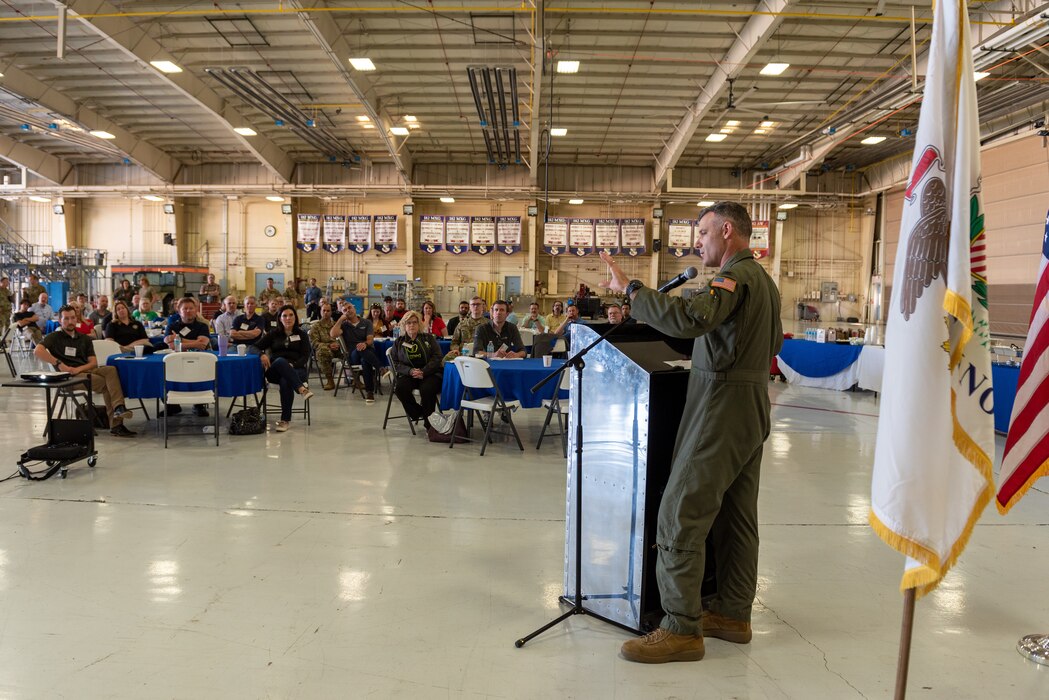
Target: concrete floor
[[340, 560]]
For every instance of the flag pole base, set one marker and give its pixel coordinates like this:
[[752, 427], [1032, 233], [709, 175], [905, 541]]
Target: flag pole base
[[1035, 647]]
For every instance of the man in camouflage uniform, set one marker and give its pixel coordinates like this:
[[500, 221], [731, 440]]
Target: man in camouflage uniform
[[464, 332], [34, 290], [292, 296], [713, 484], [324, 346], [270, 292], [6, 300]]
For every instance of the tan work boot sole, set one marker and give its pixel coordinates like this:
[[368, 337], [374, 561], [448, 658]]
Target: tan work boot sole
[[692, 655], [711, 628]]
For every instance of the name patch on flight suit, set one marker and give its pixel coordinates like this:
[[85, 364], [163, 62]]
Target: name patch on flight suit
[[723, 283]]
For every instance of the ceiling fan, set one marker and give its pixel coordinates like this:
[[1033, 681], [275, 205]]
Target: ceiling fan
[[754, 108]]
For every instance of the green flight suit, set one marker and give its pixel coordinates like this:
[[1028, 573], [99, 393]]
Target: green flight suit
[[32, 292], [320, 338], [464, 335], [266, 294], [713, 485], [6, 300]]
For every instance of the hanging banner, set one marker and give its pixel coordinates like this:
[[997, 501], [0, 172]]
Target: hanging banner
[[385, 233], [759, 238], [555, 235], [632, 236], [457, 234], [359, 233], [508, 234], [431, 233], [482, 234], [308, 235], [679, 237], [606, 236], [334, 233], [581, 236]]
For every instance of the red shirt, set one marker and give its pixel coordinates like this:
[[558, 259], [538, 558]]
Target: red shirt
[[85, 327], [437, 327]]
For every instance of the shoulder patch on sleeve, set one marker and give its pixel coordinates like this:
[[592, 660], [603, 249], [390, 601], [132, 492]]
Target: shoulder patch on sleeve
[[723, 283]]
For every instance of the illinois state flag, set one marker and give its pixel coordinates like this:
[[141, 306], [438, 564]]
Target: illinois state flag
[[932, 463]]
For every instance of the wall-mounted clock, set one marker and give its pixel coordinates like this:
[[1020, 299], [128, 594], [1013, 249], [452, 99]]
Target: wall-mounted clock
[[270, 231], [270, 266]]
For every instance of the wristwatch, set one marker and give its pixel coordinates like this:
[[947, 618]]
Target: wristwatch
[[632, 287]]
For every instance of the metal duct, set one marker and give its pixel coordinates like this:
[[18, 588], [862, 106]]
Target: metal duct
[[496, 89]]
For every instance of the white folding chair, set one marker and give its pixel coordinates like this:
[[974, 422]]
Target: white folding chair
[[105, 349], [476, 374], [560, 346], [191, 368], [554, 407]]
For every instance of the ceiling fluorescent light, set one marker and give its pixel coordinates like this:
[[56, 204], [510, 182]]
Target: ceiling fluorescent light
[[410, 118], [732, 122], [774, 68], [727, 130], [761, 131], [245, 131], [165, 66], [705, 203], [979, 75], [363, 118], [448, 200], [275, 198], [362, 63], [872, 140], [399, 131], [788, 205], [153, 198], [559, 131], [575, 201], [716, 137], [414, 125], [767, 124], [35, 198], [568, 66], [367, 125], [99, 134]]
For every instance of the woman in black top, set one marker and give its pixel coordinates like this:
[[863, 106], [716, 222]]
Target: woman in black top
[[285, 356], [126, 331], [417, 361]]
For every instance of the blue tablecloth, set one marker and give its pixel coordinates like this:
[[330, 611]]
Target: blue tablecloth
[[811, 359], [51, 326], [381, 345], [515, 379], [144, 378], [1005, 379]]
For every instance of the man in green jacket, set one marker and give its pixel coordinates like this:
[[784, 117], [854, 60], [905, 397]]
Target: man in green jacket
[[713, 485]]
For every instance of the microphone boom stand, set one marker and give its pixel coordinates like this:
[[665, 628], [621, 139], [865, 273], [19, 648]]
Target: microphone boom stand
[[577, 608]]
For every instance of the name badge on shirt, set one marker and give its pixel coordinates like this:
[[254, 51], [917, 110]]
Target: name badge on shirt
[[293, 339], [70, 352], [244, 326], [273, 324], [184, 332]]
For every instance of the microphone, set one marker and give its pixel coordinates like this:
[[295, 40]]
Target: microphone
[[688, 274]]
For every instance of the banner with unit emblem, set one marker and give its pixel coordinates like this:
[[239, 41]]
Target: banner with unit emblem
[[334, 233], [308, 235], [482, 234], [457, 234], [385, 233], [759, 239], [555, 235], [606, 236], [359, 232], [508, 233], [581, 236], [431, 233], [632, 236], [679, 237]]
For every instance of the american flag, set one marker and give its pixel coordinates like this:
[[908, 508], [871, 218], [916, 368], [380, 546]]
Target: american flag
[[1027, 444]]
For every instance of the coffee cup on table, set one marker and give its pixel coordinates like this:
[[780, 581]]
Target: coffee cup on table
[[140, 350], [242, 350], [547, 360]]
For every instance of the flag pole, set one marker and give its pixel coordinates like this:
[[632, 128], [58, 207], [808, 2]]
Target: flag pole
[[906, 629]]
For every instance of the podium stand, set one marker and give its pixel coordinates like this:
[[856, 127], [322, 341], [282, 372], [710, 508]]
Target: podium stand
[[632, 404]]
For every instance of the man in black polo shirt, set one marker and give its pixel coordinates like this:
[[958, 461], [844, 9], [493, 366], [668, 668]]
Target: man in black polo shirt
[[73, 352], [25, 320], [271, 317], [356, 332], [195, 336], [249, 327], [503, 336], [101, 315]]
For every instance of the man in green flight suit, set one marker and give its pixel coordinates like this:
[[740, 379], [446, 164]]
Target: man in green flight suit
[[33, 291], [324, 346], [467, 329], [713, 485]]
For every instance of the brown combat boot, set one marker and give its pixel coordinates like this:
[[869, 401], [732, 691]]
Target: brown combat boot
[[329, 384], [721, 627], [661, 646]]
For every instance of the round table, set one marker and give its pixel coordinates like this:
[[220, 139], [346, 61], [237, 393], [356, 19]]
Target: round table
[[143, 378], [515, 379]]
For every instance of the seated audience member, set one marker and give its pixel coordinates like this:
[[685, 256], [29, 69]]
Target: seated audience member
[[431, 322], [126, 331], [69, 351], [565, 329], [464, 311], [627, 318], [388, 310], [502, 335], [285, 357], [125, 293], [145, 312], [556, 316], [223, 323], [271, 317], [313, 309], [101, 314], [464, 332], [83, 325], [43, 311], [25, 320], [325, 347], [399, 310], [356, 334], [380, 327], [292, 296], [511, 316], [614, 313], [533, 321], [417, 362], [210, 292], [249, 327], [195, 336]]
